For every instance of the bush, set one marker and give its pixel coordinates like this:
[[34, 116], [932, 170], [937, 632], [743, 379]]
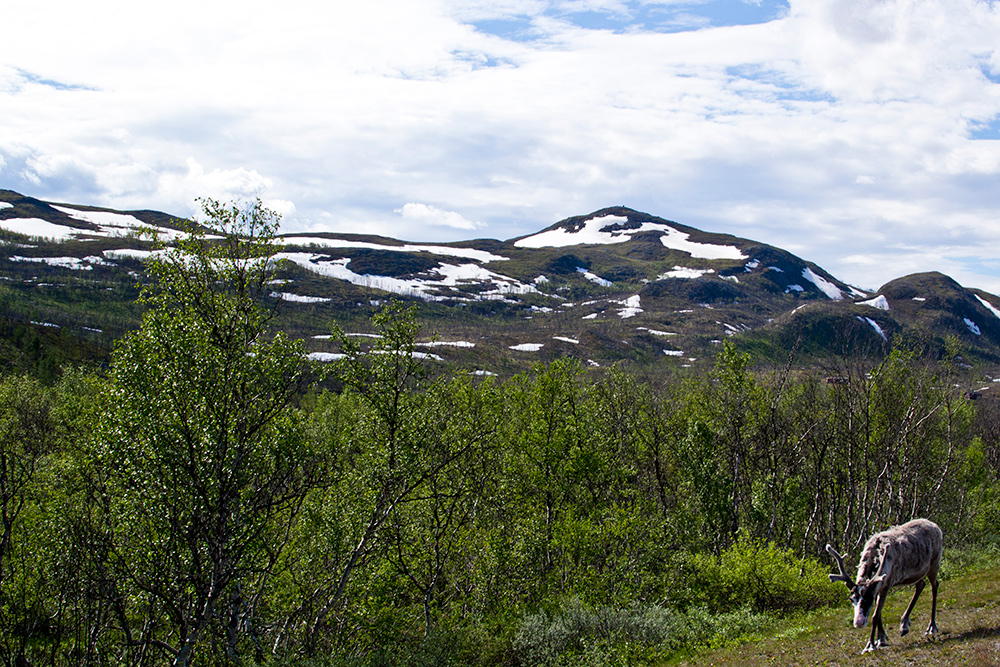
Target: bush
[[758, 575], [581, 636]]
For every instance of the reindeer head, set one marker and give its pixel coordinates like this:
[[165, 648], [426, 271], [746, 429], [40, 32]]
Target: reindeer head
[[862, 593]]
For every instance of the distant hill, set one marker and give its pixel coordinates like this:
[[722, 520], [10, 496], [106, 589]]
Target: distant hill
[[613, 285]]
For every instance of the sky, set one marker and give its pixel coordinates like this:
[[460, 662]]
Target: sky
[[863, 135]]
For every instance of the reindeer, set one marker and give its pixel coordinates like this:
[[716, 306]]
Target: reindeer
[[903, 555]]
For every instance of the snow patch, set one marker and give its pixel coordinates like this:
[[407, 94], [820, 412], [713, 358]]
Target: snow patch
[[527, 347], [973, 327], [631, 308], [678, 240], [564, 339], [592, 316], [824, 285], [73, 263], [463, 253], [879, 302], [38, 227], [655, 332], [117, 224], [684, 272], [324, 356], [674, 353], [874, 325], [131, 253], [447, 343], [593, 232], [5, 204], [989, 306], [600, 231], [448, 275], [594, 278], [298, 298]]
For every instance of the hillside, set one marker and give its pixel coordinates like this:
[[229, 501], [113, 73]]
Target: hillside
[[610, 286]]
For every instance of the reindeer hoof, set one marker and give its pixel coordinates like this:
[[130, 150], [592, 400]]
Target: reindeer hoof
[[904, 630], [874, 647]]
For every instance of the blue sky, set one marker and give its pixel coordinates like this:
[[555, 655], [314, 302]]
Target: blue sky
[[863, 135]]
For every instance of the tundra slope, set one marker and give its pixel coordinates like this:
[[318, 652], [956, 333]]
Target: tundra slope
[[609, 286]]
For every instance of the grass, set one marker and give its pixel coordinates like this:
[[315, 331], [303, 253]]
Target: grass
[[968, 620]]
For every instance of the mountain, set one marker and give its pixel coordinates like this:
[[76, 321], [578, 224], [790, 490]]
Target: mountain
[[609, 286]]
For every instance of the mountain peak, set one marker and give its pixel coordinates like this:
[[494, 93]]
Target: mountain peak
[[620, 225]]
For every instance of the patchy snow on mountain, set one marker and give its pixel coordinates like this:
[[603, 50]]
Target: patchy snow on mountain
[[40, 228], [324, 356], [564, 339], [989, 306], [678, 240], [685, 272], [446, 343], [973, 327], [116, 224], [594, 278], [674, 353], [298, 298], [527, 347], [5, 204], [318, 241], [423, 288], [593, 232], [631, 307], [602, 231], [879, 302], [655, 332], [72, 263], [824, 285], [131, 253], [874, 325]]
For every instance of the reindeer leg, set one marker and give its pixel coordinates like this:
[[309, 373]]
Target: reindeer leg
[[932, 629], [904, 624], [878, 638]]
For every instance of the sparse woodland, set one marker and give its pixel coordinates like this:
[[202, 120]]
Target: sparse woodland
[[210, 499]]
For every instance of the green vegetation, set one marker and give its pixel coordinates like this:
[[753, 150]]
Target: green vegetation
[[211, 499]]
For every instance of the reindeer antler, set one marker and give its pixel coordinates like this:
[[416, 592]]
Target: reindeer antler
[[843, 576]]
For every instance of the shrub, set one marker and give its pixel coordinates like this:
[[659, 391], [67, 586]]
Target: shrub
[[582, 636], [758, 575]]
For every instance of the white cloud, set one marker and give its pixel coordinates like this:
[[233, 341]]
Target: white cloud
[[432, 215]]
